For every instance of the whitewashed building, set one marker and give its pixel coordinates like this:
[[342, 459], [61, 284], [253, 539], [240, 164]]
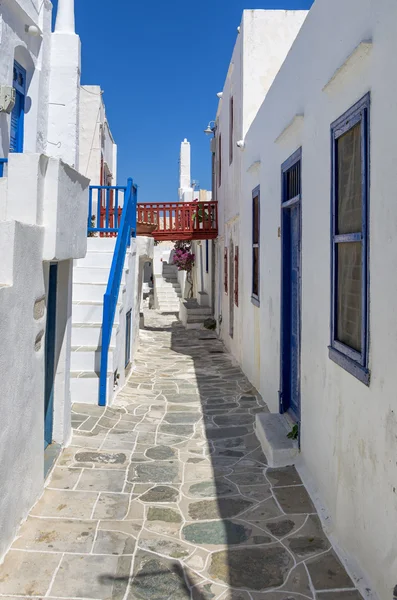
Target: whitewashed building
[[98, 150], [98, 161], [43, 221], [308, 199]]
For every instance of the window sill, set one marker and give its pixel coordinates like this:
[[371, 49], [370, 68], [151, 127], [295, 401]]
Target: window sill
[[255, 301], [349, 365]]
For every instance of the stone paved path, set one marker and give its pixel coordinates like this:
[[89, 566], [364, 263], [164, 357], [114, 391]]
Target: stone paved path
[[167, 495]]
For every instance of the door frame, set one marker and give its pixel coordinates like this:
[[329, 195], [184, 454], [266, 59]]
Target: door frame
[[49, 355], [284, 404]]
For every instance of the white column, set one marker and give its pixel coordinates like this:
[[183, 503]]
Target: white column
[[65, 17]]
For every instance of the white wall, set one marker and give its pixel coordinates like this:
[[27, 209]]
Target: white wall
[[96, 139], [33, 53], [22, 328], [348, 430]]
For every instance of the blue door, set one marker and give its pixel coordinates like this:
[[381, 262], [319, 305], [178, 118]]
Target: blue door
[[17, 115], [50, 336], [291, 286]]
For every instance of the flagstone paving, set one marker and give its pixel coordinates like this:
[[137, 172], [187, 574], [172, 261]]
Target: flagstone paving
[[167, 494]]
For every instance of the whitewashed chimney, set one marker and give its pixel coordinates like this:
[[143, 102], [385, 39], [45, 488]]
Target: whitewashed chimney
[[65, 68], [185, 188]]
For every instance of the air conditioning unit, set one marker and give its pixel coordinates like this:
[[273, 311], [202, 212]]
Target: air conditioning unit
[[7, 98]]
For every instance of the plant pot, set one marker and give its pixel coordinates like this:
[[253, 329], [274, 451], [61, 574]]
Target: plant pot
[[145, 228]]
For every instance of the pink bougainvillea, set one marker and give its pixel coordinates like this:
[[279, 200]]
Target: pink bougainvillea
[[183, 257]]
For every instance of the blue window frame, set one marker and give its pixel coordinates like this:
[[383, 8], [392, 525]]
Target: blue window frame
[[256, 234], [349, 240], [18, 112]]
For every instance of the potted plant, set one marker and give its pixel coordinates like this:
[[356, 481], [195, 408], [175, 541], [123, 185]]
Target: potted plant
[[143, 228]]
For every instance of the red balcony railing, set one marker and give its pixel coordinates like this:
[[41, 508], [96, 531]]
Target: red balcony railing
[[180, 220]]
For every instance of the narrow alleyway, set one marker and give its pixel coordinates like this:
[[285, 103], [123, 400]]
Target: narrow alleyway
[[166, 495]]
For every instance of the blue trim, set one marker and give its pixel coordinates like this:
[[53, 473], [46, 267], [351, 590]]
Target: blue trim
[[349, 365], [255, 298], [3, 161], [125, 231], [206, 255], [50, 338], [348, 358], [18, 112], [285, 401]]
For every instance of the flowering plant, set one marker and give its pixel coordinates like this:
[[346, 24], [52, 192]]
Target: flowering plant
[[183, 257]]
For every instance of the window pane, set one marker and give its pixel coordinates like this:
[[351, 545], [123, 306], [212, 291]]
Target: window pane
[[349, 181], [293, 181], [349, 294], [255, 271], [255, 217]]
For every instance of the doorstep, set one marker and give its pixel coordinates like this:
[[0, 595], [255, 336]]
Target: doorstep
[[272, 431], [51, 454]]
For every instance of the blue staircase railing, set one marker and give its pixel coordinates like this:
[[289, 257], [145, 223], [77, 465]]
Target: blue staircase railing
[[105, 205], [125, 228], [3, 161]]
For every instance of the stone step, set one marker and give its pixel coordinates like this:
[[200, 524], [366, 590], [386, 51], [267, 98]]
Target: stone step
[[272, 432], [90, 334], [84, 274], [84, 387], [91, 312], [90, 292], [101, 244], [95, 259], [168, 294], [88, 358]]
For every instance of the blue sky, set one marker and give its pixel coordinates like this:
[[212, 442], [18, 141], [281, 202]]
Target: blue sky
[[160, 65]]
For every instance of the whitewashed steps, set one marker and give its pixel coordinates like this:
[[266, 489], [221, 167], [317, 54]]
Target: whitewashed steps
[[91, 312], [90, 334], [85, 387], [88, 358]]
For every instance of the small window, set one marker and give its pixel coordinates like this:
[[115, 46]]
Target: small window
[[225, 268], [349, 273], [231, 130], [236, 276], [255, 244], [220, 160]]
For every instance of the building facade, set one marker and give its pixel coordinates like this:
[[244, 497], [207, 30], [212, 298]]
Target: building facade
[[307, 199], [43, 219]]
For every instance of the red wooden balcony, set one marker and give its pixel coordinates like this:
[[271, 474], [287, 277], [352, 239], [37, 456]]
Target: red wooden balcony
[[180, 220]]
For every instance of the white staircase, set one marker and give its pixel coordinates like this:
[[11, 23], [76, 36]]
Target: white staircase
[[90, 278], [168, 290]]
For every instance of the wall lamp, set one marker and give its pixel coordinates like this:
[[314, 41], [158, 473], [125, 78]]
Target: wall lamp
[[32, 30], [211, 128]]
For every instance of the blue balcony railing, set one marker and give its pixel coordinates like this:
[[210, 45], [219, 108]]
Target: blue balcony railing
[[3, 161], [124, 228]]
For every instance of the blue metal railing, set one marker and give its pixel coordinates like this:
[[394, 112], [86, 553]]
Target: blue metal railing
[[3, 161], [125, 229], [105, 207]]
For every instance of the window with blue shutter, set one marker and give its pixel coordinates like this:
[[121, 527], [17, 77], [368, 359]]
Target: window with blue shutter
[[17, 115]]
